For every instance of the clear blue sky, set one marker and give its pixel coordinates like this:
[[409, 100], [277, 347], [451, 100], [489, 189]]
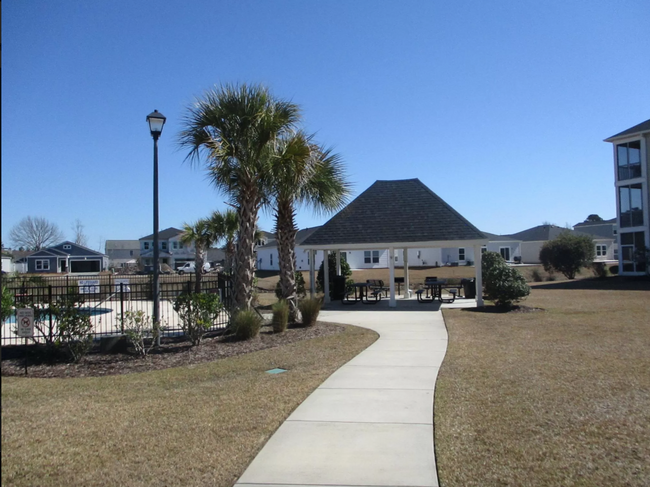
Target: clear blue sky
[[499, 107]]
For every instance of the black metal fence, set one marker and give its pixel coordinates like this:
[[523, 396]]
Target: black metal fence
[[106, 298]]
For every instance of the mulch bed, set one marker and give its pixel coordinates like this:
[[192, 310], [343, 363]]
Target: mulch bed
[[173, 352], [498, 309]]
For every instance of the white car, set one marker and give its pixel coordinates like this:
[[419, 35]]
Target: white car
[[190, 267]]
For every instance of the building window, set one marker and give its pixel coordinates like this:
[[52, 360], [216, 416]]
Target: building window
[[131, 253], [42, 265], [483, 249], [601, 250], [146, 245], [163, 245], [628, 157], [367, 257], [67, 247], [633, 251], [375, 256], [461, 254], [631, 205], [174, 245], [271, 259], [371, 257], [505, 253]]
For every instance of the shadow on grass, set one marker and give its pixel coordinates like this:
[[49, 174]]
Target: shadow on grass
[[502, 309], [614, 283]]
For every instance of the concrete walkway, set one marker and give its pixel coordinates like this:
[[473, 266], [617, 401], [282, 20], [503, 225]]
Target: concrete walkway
[[371, 422]]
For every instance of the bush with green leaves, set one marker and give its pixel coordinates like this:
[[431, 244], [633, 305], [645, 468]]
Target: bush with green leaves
[[246, 324], [140, 331], [502, 284], [280, 316], [197, 313], [300, 286], [7, 304], [568, 253], [310, 308], [345, 272], [74, 325]]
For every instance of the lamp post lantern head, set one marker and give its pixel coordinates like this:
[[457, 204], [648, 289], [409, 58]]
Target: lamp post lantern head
[[156, 121]]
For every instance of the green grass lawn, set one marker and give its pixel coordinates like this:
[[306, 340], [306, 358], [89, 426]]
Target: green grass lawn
[[549, 398], [189, 426]]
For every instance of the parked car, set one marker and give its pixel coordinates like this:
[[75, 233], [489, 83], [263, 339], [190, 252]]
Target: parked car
[[189, 267]]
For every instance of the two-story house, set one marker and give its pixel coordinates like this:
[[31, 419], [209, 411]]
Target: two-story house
[[173, 252], [632, 179]]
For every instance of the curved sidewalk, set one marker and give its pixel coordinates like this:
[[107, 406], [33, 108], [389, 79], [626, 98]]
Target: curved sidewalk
[[371, 422]]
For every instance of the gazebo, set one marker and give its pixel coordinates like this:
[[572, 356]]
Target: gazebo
[[391, 215]]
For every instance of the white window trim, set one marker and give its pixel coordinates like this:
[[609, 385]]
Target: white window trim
[[42, 267]]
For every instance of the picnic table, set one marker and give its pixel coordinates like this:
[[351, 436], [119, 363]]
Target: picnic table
[[433, 288], [362, 292]]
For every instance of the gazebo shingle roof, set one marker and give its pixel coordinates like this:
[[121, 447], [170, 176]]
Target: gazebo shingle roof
[[395, 211]]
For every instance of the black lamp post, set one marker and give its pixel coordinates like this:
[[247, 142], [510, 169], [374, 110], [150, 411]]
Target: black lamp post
[[156, 122]]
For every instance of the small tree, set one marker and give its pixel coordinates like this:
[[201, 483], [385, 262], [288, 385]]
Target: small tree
[[75, 327], [197, 312], [7, 304], [568, 253], [320, 277], [503, 284]]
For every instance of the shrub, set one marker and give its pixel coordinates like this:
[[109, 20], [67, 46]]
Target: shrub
[[139, 330], [74, 325], [536, 275], [503, 284], [300, 286], [7, 304], [197, 312], [320, 277], [568, 253], [246, 324], [469, 263], [310, 308], [600, 270], [280, 316]]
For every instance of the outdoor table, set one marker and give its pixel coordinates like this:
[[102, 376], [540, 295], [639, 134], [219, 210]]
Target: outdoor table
[[360, 290], [434, 287]]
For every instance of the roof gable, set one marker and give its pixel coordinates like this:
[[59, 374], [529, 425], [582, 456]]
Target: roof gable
[[637, 129], [165, 234], [398, 211], [75, 249]]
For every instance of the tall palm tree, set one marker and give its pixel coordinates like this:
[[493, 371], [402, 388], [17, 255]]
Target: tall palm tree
[[232, 126], [198, 234], [303, 173], [224, 226]]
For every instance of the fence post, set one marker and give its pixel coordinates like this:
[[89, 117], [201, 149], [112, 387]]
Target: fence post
[[122, 305], [49, 307]]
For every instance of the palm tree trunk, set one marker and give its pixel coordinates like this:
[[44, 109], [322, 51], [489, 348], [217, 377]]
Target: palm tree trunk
[[286, 234], [245, 256], [198, 267]]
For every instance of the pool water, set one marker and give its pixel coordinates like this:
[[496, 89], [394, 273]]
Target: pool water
[[88, 311]]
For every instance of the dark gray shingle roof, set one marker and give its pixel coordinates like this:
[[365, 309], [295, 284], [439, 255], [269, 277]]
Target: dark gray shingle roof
[[164, 234], [642, 127], [300, 237], [395, 211]]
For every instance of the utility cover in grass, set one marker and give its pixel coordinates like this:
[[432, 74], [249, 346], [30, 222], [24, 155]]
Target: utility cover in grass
[[275, 371]]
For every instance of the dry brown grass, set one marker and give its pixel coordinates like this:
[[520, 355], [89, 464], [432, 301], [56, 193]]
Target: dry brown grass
[[548, 398], [188, 426]]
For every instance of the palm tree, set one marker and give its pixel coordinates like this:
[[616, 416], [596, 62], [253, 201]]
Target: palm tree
[[303, 173], [199, 235], [224, 226], [232, 126]]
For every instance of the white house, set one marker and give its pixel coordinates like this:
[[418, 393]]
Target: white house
[[632, 179], [268, 258]]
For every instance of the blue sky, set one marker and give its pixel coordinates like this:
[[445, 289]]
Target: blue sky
[[499, 107]]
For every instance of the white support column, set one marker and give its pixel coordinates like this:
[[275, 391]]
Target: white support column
[[312, 273], [338, 262], [391, 266], [478, 257], [326, 276], [406, 273]]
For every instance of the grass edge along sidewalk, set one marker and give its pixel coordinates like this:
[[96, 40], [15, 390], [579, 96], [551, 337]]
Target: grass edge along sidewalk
[[546, 398], [187, 426]]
